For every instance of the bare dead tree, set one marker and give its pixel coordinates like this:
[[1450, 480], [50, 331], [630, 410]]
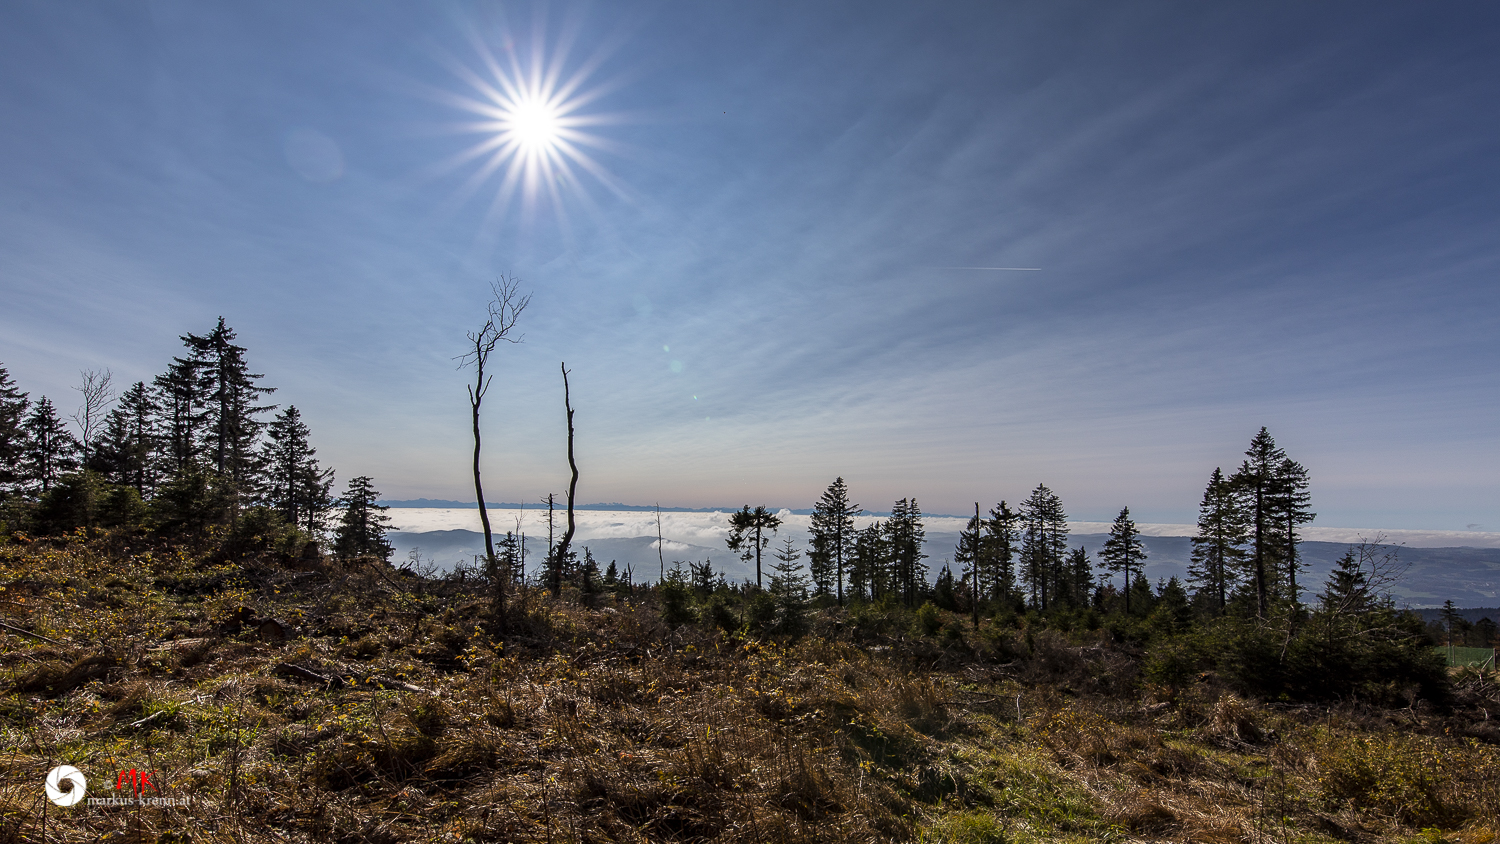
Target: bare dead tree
[[562, 547], [97, 395], [504, 308], [660, 559]]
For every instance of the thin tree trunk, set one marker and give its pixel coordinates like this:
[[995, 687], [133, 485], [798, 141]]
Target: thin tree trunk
[[757, 557], [660, 559], [1291, 552], [492, 566], [978, 526], [562, 547], [838, 555], [1260, 547]]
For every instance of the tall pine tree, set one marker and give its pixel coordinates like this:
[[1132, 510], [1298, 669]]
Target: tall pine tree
[[232, 393], [295, 485], [1257, 479], [997, 577], [1290, 507], [1044, 543], [869, 565], [179, 402], [1123, 551], [50, 450], [1218, 549], [906, 534], [13, 406], [1080, 573], [832, 529], [125, 452], [970, 554]]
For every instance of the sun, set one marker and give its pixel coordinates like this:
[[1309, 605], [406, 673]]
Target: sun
[[528, 109], [534, 124]]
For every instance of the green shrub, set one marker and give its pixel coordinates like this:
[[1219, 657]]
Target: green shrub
[[1399, 775], [676, 599], [716, 613], [261, 530], [929, 619], [760, 613], [1173, 662]]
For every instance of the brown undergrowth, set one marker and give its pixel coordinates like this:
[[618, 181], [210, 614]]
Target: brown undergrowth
[[381, 707]]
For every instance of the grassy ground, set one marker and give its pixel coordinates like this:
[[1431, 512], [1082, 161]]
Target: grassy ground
[[389, 713]]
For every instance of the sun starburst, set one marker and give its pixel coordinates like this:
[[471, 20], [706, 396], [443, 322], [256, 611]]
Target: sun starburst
[[529, 106]]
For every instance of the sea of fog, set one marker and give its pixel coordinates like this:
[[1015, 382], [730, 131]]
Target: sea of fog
[[1461, 565]]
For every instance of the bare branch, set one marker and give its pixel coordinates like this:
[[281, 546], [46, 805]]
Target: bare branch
[[1382, 564], [502, 312], [98, 394]]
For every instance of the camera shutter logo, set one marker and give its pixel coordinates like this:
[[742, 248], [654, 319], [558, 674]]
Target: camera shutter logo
[[74, 778]]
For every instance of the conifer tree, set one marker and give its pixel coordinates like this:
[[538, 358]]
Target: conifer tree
[[870, 563], [13, 406], [945, 589], [588, 573], [1044, 543], [361, 531], [789, 590], [1450, 619], [231, 429], [1123, 551], [1172, 610], [50, 450], [906, 534], [747, 534], [295, 484], [997, 578], [1257, 478], [190, 502], [1347, 589], [970, 553], [786, 572], [127, 449], [1218, 551], [508, 560], [1140, 595], [179, 405], [832, 528], [109, 452], [1080, 577], [1290, 505]]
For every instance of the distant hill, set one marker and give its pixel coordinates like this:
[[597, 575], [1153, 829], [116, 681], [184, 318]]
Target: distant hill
[[1471, 614]]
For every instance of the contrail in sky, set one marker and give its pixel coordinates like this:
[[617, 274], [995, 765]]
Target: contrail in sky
[[1006, 269]]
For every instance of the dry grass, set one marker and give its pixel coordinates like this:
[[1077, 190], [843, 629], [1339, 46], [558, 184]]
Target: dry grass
[[391, 714]]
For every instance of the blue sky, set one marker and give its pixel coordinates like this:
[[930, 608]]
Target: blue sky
[[1242, 215]]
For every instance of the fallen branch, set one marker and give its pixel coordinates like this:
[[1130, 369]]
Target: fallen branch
[[148, 719], [301, 673], [19, 631]]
